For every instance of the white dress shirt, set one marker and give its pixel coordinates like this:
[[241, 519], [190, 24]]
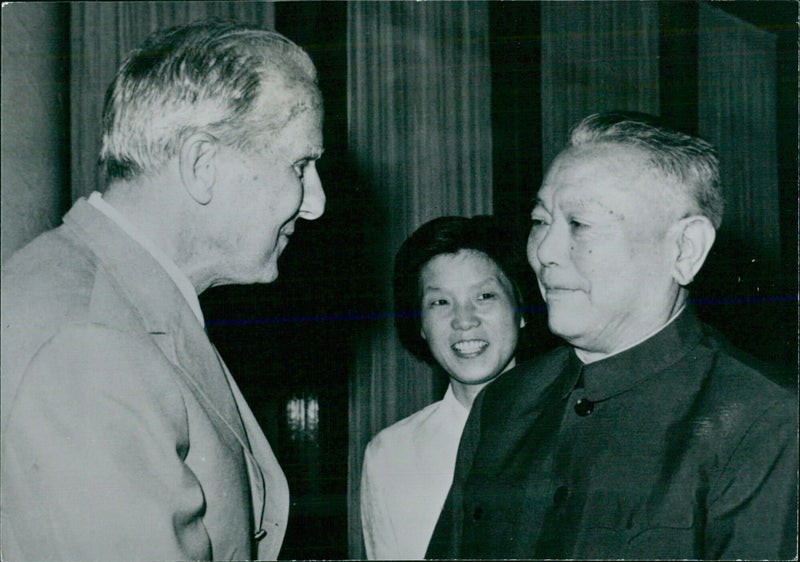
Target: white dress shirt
[[407, 473]]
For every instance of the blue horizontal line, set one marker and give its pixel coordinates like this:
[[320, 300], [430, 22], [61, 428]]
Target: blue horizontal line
[[298, 319], [378, 316], [745, 300]]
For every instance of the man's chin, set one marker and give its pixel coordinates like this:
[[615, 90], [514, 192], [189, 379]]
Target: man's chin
[[269, 276], [266, 275], [564, 329]]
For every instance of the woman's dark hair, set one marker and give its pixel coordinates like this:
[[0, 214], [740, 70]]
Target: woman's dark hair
[[450, 235]]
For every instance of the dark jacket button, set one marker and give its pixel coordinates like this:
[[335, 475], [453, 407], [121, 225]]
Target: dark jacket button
[[561, 495], [584, 407], [477, 513]]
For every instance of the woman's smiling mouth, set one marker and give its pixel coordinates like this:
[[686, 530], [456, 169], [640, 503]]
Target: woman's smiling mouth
[[469, 348]]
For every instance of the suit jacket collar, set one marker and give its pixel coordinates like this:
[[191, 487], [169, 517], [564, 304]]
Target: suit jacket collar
[[160, 307]]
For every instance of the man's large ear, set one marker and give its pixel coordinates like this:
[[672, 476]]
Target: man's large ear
[[694, 237], [197, 166]]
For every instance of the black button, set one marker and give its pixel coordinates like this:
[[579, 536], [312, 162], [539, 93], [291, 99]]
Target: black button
[[584, 407], [561, 495], [477, 513], [260, 534]]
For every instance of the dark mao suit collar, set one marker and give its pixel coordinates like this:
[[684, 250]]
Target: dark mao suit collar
[[619, 373]]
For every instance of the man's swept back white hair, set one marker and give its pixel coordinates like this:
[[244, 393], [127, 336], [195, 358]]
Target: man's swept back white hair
[[690, 162], [207, 76]]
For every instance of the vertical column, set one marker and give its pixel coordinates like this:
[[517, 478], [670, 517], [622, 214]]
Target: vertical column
[[35, 120]]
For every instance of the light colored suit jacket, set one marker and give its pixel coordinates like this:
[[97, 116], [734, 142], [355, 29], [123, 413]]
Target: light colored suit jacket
[[121, 435]]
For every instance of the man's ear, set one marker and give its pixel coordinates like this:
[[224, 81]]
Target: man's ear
[[197, 166], [694, 237]]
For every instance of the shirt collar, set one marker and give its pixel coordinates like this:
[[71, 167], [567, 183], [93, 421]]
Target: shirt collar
[[178, 277], [618, 373], [452, 402]]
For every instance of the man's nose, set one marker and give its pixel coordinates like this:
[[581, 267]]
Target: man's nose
[[464, 317], [545, 245], [313, 195]]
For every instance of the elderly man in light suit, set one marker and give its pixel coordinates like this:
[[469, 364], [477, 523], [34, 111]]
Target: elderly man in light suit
[[123, 434]]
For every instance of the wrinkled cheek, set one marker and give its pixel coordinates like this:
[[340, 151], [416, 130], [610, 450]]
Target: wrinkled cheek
[[588, 269], [596, 264], [581, 252]]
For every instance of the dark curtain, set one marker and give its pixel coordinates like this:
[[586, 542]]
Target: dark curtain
[[746, 289], [737, 105], [596, 56], [419, 131]]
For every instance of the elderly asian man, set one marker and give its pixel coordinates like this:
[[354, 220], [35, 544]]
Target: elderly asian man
[[124, 436], [643, 438]]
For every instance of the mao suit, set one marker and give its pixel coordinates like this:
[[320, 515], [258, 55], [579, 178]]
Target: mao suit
[[673, 449], [123, 435]]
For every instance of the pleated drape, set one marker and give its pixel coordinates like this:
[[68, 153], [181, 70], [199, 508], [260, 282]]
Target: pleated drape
[[596, 56], [102, 33], [419, 131], [736, 100]]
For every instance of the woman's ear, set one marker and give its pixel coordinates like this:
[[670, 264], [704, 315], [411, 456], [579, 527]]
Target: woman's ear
[[694, 237], [197, 166]]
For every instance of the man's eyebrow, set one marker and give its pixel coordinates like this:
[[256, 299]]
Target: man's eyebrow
[[586, 202], [591, 204], [313, 153]]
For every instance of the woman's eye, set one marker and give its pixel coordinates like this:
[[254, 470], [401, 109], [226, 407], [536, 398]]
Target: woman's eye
[[577, 225], [437, 302], [486, 296]]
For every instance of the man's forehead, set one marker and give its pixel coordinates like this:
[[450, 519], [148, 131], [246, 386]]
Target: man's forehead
[[281, 101], [596, 175], [609, 160], [303, 130]]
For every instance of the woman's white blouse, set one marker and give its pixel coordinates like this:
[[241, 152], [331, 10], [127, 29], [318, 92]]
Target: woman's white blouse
[[408, 469]]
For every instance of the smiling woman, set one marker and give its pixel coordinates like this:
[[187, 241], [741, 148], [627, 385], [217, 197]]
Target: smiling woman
[[469, 319], [458, 306]]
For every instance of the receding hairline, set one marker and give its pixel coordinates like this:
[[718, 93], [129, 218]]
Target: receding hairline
[[234, 98], [668, 190], [687, 161], [283, 98]]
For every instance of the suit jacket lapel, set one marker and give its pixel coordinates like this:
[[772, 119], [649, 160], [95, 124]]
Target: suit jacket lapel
[[165, 314], [270, 490], [161, 308]]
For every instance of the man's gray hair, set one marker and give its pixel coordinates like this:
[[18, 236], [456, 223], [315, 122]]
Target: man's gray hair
[[207, 76], [690, 162]]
